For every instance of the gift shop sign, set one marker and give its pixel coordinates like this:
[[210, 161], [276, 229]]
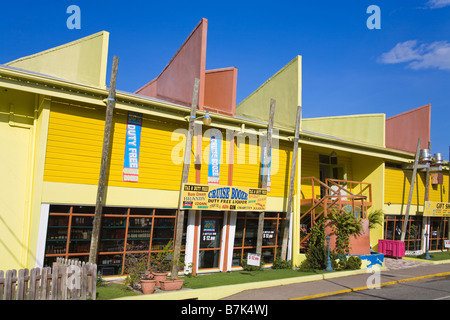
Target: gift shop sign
[[222, 198], [436, 209]]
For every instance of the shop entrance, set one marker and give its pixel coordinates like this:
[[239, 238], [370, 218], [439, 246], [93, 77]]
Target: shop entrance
[[210, 239]]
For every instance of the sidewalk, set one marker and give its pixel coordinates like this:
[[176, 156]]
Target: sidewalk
[[308, 287], [395, 271]]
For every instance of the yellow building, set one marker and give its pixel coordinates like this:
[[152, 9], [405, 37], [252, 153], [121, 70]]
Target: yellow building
[[52, 122]]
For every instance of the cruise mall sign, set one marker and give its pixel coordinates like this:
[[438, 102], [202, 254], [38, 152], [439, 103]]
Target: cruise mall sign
[[222, 198]]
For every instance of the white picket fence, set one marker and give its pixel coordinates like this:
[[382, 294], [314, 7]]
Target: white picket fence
[[66, 280]]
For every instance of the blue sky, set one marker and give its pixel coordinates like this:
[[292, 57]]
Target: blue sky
[[347, 68]]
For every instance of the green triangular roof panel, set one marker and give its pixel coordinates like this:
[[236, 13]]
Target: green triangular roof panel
[[82, 61], [285, 87], [362, 128]]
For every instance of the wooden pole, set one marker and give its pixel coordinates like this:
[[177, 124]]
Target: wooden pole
[[184, 179], [265, 174], [104, 163], [411, 190], [291, 185]]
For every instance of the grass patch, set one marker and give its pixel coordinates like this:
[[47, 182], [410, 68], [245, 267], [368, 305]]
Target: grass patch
[[436, 256], [117, 290], [114, 290], [237, 277]]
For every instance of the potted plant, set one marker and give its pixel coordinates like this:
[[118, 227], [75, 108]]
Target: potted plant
[[173, 283], [160, 265], [148, 284], [139, 277]]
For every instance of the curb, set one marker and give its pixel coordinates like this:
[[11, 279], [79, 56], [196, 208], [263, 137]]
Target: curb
[[427, 261], [320, 295], [217, 293]]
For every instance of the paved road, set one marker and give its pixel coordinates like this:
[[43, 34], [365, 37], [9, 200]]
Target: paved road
[[400, 270], [436, 288]]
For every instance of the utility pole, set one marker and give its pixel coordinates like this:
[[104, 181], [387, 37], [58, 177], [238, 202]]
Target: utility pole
[[265, 173], [426, 220], [411, 190], [104, 163], [184, 179], [291, 185]]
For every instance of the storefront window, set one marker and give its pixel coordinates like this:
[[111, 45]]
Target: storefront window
[[124, 231], [393, 230], [413, 238], [246, 234], [438, 233]]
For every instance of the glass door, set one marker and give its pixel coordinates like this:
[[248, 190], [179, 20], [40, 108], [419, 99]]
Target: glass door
[[210, 240]]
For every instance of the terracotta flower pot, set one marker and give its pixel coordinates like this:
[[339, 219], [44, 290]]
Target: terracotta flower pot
[[170, 284], [158, 276], [148, 286]]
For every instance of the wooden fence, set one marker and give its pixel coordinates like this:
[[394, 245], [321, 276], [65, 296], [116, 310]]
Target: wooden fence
[[66, 280]]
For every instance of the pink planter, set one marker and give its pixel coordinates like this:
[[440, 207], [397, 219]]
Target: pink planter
[[392, 248]]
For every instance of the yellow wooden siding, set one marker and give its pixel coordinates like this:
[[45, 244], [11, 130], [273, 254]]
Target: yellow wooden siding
[[398, 183], [310, 168], [75, 142], [439, 192], [281, 162], [247, 164], [247, 167]]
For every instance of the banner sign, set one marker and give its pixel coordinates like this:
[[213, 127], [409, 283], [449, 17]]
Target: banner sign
[[223, 198], [436, 209], [130, 171], [214, 160], [263, 161]]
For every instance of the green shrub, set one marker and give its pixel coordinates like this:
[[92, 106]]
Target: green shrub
[[316, 259], [349, 263], [354, 263], [246, 267], [281, 264], [375, 218]]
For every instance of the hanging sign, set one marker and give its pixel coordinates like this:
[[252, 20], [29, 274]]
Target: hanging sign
[[132, 144], [436, 209], [214, 160], [223, 198], [447, 244]]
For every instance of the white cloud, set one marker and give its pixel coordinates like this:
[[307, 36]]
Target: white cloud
[[419, 56], [436, 4], [402, 52]]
